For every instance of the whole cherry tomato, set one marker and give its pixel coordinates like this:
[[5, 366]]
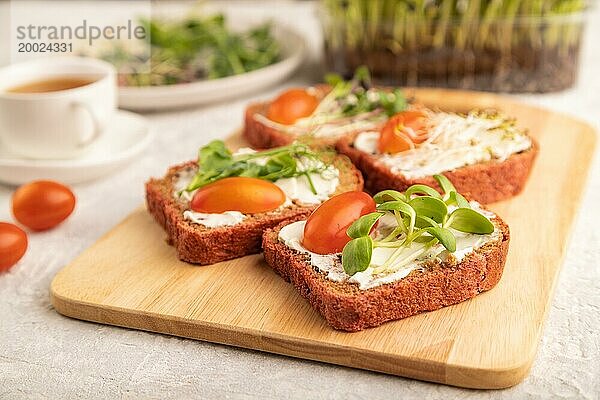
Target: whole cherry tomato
[[13, 243], [325, 230], [403, 131], [292, 105], [42, 205], [246, 195]]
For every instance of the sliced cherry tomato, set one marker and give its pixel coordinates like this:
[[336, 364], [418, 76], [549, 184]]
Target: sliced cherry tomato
[[246, 195], [292, 105], [42, 205], [403, 131], [13, 244], [325, 230]]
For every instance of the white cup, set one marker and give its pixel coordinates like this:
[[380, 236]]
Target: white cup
[[56, 124]]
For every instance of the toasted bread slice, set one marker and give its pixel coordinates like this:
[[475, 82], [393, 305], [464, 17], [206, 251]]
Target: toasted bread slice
[[261, 135], [485, 182], [198, 244], [346, 307]]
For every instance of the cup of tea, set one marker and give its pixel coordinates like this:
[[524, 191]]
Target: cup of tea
[[55, 107]]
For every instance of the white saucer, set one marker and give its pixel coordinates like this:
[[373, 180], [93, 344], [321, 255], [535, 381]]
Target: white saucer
[[124, 138]]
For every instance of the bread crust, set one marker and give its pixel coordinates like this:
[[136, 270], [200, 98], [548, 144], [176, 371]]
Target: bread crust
[[486, 182], [197, 244], [346, 307]]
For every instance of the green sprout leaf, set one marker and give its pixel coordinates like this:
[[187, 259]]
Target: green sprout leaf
[[424, 222], [362, 226], [393, 102], [388, 195], [397, 205], [457, 199], [445, 184], [422, 189], [280, 165], [403, 207], [362, 74], [470, 221], [356, 256], [430, 207], [214, 155], [252, 170], [444, 236], [333, 79]]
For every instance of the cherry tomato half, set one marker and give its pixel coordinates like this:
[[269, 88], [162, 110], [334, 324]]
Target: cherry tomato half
[[325, 230], [403, 131], [13, 243], [246, 195], [292, 105], [42, 205]]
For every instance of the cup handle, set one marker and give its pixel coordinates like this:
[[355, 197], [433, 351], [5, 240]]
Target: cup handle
[[97, 130]]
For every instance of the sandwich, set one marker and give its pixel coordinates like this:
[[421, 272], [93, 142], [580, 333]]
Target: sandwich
[[483, 153], [216, 208], [390, 256], [323, 113]]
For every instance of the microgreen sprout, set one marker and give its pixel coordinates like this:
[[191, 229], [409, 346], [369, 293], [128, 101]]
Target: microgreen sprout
[[216, 162], [424, 218], [358, 96]]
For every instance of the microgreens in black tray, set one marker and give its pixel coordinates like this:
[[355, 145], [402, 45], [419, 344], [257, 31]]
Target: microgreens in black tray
[[359, 96], [216, 162], [422, 215]]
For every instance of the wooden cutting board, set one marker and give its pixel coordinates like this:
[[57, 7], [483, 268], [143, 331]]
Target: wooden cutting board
[[131, 278]]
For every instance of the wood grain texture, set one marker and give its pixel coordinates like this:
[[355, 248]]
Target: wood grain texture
[[132, 278]]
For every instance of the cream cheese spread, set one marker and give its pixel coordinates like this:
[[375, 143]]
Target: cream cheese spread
[[454, 141], [227, 218], [331, 265], [297, 190]]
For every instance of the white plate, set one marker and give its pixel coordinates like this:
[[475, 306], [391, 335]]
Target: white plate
[[125, 138], [215, 90]]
